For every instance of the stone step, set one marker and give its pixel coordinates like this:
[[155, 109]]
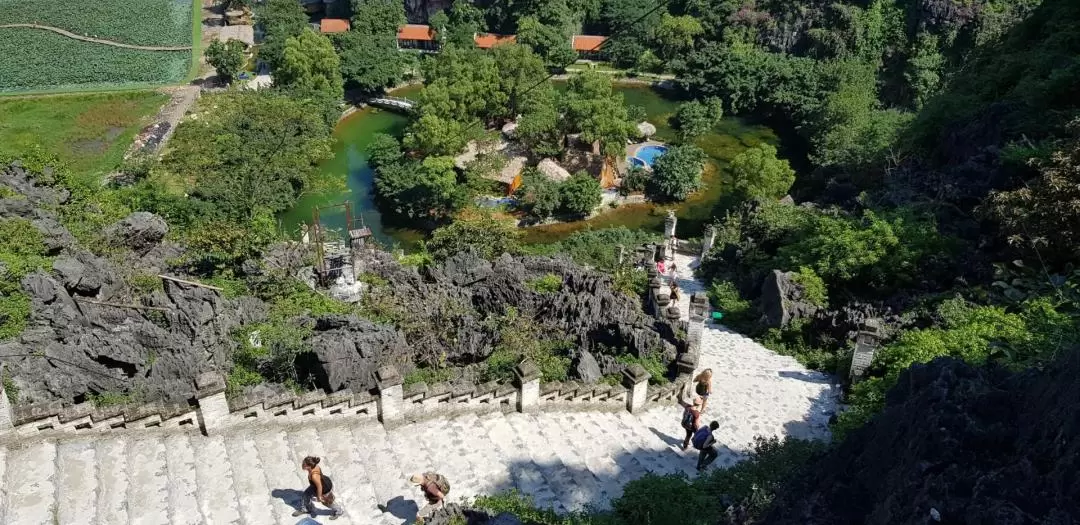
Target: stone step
[[112, 480], [249, 477], [30, 484], [76, 483], [3, 485], [282, 472], [213, 472], [352, 483], [148, 485], [525, 474], [183, 487]]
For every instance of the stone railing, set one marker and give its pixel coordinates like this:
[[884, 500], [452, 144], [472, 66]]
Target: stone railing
[[390, 402]]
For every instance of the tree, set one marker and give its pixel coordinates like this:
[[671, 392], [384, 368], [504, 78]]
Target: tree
[[676, 173], [923, 72], [464, 21], [384, 150], [539, 131], [369, 63], [481, 232], [551, 43], [226, 57], [522, 78], [463, 84], [675, 35], [378, 17], [418, 190], [281, 20], [310, 64], [599, 114], [694, 119], [538, 194], [255, 152], [434, 135], [580, 194], [759, 174]]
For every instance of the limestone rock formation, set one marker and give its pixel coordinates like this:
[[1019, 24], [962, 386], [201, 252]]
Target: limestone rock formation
[[586, 368], [139, 231], [976, 445], [348, 350], [782, 300]]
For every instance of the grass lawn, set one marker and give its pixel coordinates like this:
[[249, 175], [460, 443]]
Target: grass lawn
[[88, 132]]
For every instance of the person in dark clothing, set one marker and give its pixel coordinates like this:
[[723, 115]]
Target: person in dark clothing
[[705, 442], [320, 487], [691, 420]]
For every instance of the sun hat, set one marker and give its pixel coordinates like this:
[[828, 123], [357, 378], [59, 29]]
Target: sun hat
[[417, 478]]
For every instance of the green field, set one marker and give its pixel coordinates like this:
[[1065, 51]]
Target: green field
[[32, 59], [88, 132], [142, 22]]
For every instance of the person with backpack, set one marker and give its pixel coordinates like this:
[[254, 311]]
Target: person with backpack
[[703, 387], [320, 487], [705, 442], [435, 487], [691, 420]]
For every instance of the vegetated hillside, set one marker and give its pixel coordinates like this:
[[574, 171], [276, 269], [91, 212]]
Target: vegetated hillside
[[966, 444]]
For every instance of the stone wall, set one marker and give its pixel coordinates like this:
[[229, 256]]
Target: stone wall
[[391, 402]]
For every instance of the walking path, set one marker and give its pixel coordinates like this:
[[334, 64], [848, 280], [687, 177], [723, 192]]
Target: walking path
[[252, 474], [85, 38]]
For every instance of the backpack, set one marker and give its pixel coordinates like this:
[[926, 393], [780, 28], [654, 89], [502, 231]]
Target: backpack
[[702, 438], [441, 482], [688, 419]]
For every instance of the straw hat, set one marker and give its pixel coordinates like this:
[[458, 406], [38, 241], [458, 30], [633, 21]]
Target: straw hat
[[417, 479]]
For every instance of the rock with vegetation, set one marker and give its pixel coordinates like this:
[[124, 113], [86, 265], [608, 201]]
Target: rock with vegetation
[[140, 231], [346, 351], [965, 444]]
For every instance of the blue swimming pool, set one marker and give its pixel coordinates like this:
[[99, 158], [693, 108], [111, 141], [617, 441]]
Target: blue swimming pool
[[646, 156]]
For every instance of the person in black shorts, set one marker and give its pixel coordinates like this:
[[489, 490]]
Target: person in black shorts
[[320, 487]]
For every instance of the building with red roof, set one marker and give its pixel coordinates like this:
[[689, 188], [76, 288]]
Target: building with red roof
[[333, 25], [588, 46], [490, 40], [417, 36]]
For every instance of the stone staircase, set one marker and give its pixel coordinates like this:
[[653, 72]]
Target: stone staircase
[[252, 475], [565, 457]]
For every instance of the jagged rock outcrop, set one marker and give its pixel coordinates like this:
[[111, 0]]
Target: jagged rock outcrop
[[968, 444], [347, 351], [782, 300], [467, 516], [586, 368], [139, 231]]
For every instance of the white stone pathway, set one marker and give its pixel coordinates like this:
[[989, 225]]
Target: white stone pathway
[[251, 475]]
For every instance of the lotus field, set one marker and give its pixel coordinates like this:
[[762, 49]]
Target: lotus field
[[39, 60]]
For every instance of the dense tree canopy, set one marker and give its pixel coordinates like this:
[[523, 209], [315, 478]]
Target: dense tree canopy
[[310, 63], [598, 113], [280, 20], [694, 118], [580, 194], [758, 174], [227, 58], [677, 173]]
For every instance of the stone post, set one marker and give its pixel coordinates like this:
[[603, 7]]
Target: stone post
[[697, 321], [213, 410], [866, 343], [7, 417], [527, 377], [669, 225], [708, 241], [391, 395], [654, 292], [636, 380]]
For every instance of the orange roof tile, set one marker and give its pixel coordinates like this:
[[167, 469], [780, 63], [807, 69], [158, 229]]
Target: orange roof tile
[[415, 32], [588, 42], [333, 25], [490, 40]]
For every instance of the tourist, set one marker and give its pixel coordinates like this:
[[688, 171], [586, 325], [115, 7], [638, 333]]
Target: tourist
[[674, 272], [705, 442], [703, 387], [660, 267], [691, 420], [674, 290], [320, 488], [435, 487]]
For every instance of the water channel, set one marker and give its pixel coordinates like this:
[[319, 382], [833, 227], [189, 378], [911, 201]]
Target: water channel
[[355, 132]]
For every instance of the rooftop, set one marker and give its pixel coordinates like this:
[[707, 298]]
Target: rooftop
[[333, 25], [588, 42], [490, 40], [416, 32]]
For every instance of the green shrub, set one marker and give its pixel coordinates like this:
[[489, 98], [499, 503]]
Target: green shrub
[[109, 399], [653, 364], [523, 506], [813, 286], [22, 251], [146, 283], [11, 390], [724, 296], [521, 337], [241, 376], [429, 375], [549, 283], [372, 279]]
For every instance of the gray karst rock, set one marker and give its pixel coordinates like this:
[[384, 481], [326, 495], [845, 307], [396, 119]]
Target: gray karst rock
[[782, 300], [348, 350], [586, 368], [139, 231]]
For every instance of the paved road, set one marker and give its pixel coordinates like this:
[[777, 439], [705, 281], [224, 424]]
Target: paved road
[[251, 475], [85, 38]]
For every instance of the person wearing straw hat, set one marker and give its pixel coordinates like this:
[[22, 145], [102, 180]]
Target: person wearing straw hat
[[435, 487]]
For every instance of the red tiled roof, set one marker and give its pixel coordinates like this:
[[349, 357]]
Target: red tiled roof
[[490, 40], [588, 42], [333, 25], [415, 32]]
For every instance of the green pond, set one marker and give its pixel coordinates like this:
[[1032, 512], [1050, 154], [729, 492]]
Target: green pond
[[355, 132]]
